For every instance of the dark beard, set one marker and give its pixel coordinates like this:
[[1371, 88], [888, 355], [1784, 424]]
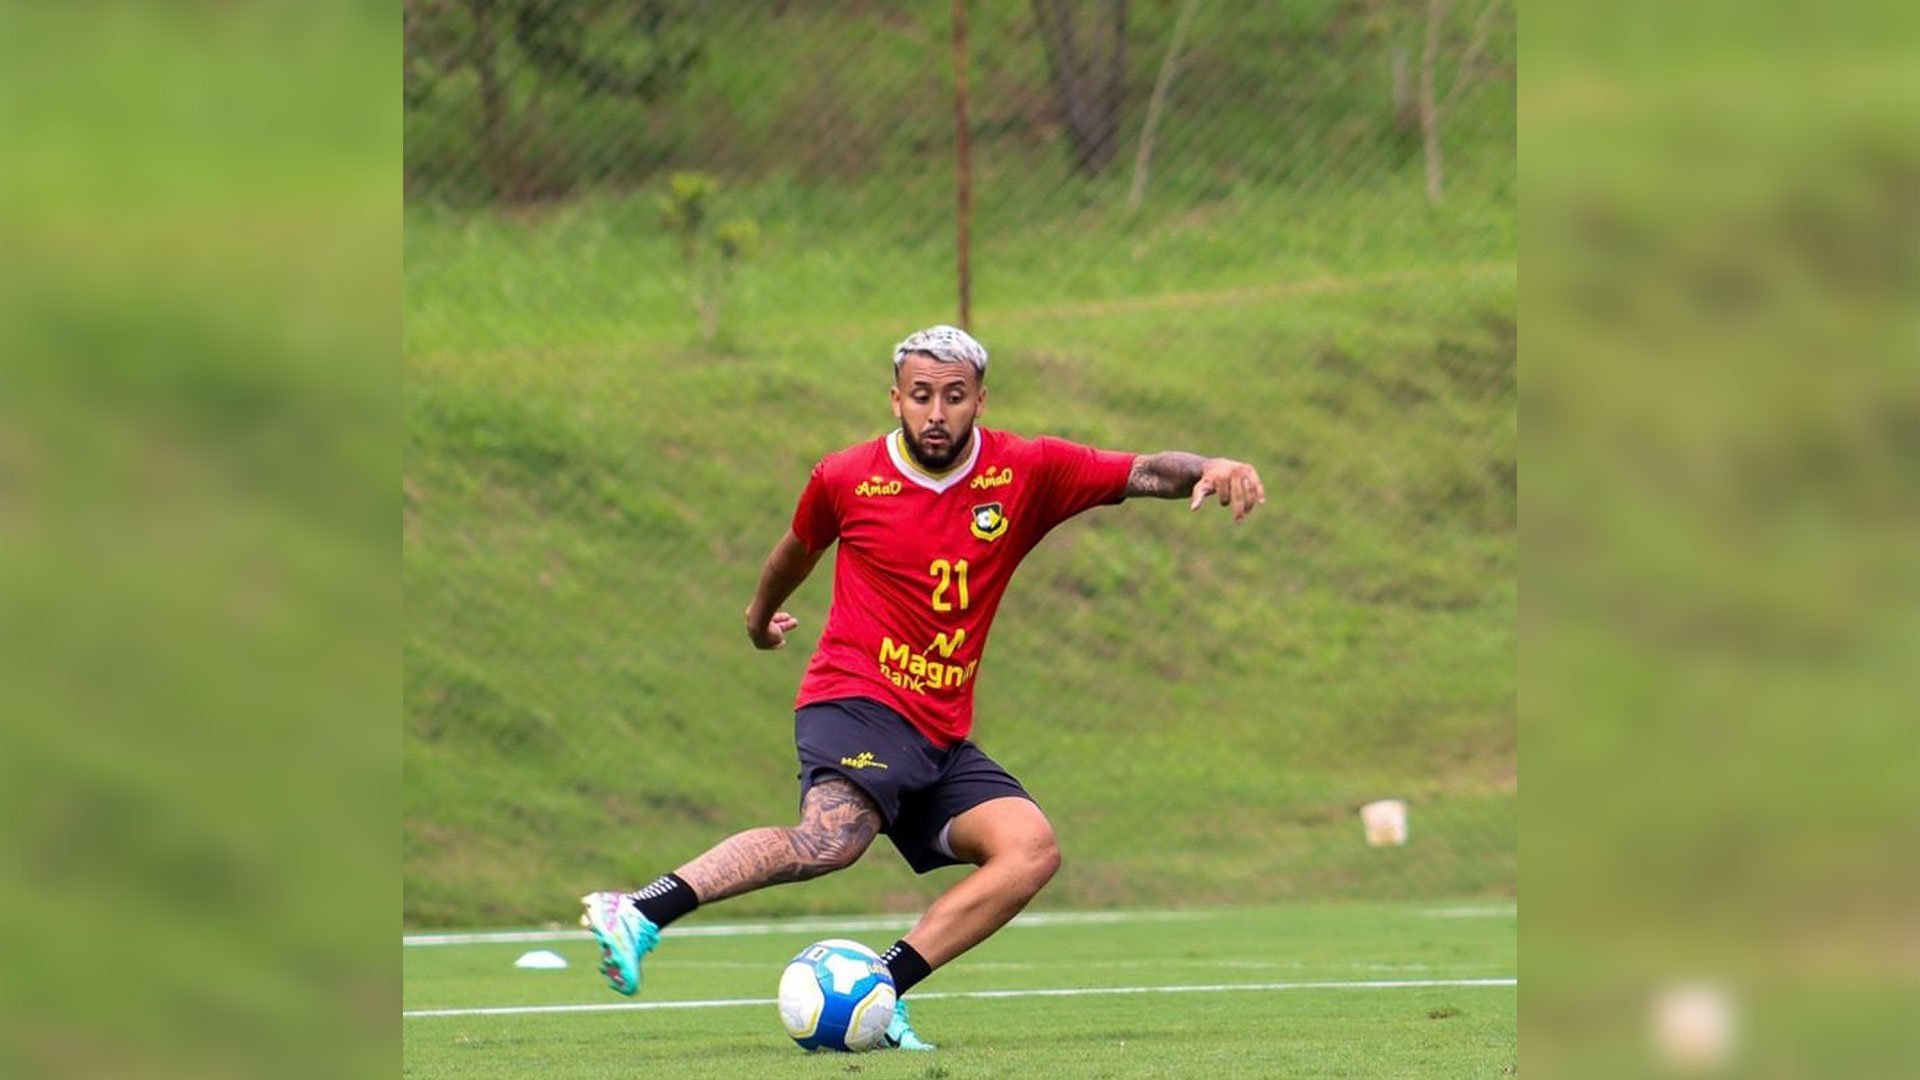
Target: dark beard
[[937, 463]]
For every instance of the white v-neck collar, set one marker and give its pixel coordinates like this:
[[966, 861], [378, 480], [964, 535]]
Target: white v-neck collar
[[912, 470]]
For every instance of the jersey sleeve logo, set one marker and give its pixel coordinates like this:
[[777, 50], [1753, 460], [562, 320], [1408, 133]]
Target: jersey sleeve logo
[[989, 521], [877, 486], [993, 478]]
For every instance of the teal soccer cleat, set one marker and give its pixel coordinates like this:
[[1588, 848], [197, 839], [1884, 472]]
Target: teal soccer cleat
[[624, 934], [900, 1034]]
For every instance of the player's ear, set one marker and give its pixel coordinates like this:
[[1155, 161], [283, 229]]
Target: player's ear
[[893, 392]]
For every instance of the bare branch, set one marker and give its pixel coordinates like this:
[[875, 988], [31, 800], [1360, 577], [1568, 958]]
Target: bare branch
[[1466, 75], [1168, 66]]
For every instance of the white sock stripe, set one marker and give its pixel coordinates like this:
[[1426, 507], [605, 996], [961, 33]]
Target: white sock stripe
[[658, 889]]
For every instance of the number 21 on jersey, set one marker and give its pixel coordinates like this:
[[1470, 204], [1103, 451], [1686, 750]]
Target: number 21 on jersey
[[947, 575]]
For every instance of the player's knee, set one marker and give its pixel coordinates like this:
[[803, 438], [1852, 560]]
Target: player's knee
[[824, 851], [1040, 860], [841, 855]]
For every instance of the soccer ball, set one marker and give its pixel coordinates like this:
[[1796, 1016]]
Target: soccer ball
[[837, 995]]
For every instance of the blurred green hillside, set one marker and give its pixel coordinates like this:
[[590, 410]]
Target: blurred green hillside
[[1201, 708]]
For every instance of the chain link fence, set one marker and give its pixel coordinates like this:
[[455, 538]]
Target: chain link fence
[[657, 254]]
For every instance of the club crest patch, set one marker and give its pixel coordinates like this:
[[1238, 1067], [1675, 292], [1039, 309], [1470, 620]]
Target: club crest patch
[[989, 521]]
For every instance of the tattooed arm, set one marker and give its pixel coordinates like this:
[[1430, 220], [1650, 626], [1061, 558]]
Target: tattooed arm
[[837, 823], [1175, 474]]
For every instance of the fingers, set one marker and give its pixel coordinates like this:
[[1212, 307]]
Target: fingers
[[774, 634], [1243, 492], [1200, 492]]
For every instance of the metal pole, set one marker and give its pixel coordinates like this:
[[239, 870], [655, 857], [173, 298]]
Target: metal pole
[[963, 166]]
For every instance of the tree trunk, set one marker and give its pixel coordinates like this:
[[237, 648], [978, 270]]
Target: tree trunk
[[1112, 95], [1089, 91], [962, 168], [1429, 111], [495, 153], [1406, 115]]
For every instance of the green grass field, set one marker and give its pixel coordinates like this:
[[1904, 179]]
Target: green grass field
[[586, 514], [1058, 995]]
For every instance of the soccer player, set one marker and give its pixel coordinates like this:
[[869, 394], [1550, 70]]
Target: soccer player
[[931, 520]]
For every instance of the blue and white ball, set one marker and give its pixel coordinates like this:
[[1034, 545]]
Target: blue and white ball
[[837, 995]]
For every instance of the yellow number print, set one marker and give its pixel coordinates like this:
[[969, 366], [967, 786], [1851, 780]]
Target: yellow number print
[[950, 574]]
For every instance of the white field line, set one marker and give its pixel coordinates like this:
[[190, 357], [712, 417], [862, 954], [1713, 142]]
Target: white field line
[[798, 926], [1036, 920], [1474, 911], [1088, 991], [1158, 964]]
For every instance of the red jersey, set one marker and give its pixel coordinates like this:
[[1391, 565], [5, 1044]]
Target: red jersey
[[925, 558]]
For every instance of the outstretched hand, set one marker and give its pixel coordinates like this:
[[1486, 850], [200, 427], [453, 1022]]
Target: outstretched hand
[[773, 633], [1234, 482]]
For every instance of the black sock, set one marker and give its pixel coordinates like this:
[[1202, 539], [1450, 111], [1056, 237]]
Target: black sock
[[908, 967], [666, 899]]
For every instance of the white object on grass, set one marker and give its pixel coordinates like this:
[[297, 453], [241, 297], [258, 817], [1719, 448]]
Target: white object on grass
[[1693, 1027], [541, 960], [1386, 822]]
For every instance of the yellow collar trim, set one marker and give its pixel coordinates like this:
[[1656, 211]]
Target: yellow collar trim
[[941, 481], [906, 458]]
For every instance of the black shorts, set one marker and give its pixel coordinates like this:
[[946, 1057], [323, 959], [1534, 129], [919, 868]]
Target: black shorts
[[919, 787]]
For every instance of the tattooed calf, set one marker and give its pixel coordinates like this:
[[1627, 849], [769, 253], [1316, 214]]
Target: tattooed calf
[[837, 822]]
